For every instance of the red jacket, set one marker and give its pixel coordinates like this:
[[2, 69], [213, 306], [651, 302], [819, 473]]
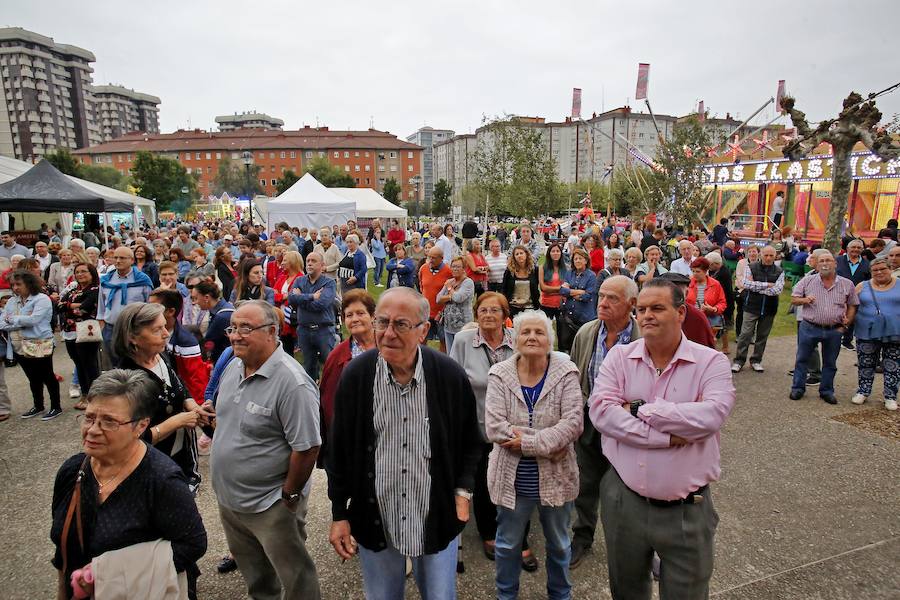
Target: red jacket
[[714, 296], [395, 236], [331, 374], [597, 262], [281, 299]]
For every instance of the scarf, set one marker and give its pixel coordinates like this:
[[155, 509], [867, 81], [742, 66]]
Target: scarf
[[141, 279]]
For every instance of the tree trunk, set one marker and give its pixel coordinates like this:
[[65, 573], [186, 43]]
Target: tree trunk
[[841, 181]]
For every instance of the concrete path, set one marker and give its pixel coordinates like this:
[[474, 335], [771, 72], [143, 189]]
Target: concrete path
[[809, 506]]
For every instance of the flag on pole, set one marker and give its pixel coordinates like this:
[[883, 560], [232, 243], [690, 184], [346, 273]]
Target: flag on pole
[[642, 81], [576, 103], [779, 95], [701, 112]]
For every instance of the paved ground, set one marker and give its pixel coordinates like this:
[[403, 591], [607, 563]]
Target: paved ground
[[810, 507]]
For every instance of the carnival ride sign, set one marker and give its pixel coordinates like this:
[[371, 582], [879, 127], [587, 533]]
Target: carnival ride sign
[[863, 165]]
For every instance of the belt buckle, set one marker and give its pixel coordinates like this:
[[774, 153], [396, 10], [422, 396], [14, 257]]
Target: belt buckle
[[696, 498]]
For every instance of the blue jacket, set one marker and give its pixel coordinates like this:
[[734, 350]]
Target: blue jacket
[[212, 388], [406, 271], [308, 310], [862, 270], [359, 271], [216, 340], [31, 318], [583, 308], [377, 248]]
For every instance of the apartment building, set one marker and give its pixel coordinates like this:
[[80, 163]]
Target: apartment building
[[120, 111], [371, 157], [248, 120], [427, 137]]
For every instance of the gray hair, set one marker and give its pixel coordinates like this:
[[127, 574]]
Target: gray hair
[[270, 311], [615, 253], [423, 307], [534, 315], [131, 321], [133, 385], [628, 285], [880, 261], [352, 237], [325, 232], [820, 252], [635, 250], [857, 241], [714, 257]]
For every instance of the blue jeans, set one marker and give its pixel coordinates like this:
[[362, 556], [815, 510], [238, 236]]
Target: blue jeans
[[379, 269], [808, 339], [107, 334], [508, 547], [316, 345], [448, 340], [384, 573]]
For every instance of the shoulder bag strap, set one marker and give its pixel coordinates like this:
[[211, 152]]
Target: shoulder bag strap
[[74, 509], [874, 299]]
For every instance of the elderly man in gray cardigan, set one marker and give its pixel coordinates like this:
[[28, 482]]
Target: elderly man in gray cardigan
[[533, 415]]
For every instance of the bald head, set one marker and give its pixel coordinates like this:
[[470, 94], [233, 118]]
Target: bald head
[[123, 258]]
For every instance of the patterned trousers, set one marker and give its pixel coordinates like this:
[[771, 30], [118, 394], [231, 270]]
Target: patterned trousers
[[867, 353]]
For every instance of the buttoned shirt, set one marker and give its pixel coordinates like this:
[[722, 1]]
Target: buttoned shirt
[[762, 287], [402, 457], [260, 420], [681, 266], [600, 350], [690, 398], [831, 302]]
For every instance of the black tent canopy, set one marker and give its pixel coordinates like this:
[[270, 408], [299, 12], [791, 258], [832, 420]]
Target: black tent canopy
[[43, 188]]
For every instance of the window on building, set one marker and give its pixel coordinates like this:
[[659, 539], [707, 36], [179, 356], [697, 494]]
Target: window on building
[[218, 156], [367, 181], [293, 154], [282, 154], [129, 158], [356, 168], [367, 155], [381, 167], [356, 154], [209, 170], [346, 155], [357, 181], [368, 168], [393, 168], [393, 155], [347, 168], [274, 182], [208, 155], [272, 168], [283, 169], [321, 154], [337, 154], [187, 156], [271, 155], [409, 168], [409, 155], [197, 155], [262, 182], [235, 156], [308, 154]]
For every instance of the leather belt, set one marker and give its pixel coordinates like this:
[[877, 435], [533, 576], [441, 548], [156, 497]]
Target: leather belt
[[695, 497], [832, 326]]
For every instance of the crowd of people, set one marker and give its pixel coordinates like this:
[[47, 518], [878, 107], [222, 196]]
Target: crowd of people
[[582, 373]]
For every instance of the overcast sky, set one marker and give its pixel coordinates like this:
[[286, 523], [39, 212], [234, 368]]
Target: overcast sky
[[408, 64]]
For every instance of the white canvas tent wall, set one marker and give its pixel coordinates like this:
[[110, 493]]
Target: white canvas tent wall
[[10, 168], [308, 203], [370, 204]]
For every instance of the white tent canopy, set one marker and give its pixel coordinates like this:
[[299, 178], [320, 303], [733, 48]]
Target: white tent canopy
[[370, 204], [308, 203]]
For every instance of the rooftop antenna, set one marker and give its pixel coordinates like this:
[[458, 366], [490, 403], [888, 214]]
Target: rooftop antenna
[[371, 121], [317, 121], [602, 99]]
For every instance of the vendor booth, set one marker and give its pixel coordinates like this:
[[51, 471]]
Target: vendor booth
[[308, 203]]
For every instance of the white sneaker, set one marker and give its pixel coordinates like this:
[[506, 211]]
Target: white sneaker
[[735, 368], [858, 399], [890, 404], [757, 367], [74, 391]]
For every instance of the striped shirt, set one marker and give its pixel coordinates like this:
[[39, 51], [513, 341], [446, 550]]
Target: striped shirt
[[402, 457], [527, 474], [831, 303], [496, 267]]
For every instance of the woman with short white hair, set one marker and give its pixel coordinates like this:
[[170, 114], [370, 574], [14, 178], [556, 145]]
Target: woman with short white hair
[[352, 269], [614, 259], [533, 415]]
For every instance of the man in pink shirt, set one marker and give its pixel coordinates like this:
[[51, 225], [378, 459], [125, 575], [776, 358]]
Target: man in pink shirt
[[659, 403]]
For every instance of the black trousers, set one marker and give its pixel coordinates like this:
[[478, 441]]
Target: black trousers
[[565, 332], [485, 511], [86, 357], [39, 372]]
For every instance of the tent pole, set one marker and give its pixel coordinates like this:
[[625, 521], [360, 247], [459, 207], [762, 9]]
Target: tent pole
[[105, 232]]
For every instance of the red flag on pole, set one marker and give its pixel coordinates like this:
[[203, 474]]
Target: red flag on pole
[[701, 112], [642, 81], [576, 103], [780, 94]]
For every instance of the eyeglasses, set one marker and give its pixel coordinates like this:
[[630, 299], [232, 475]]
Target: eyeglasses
[[106, 423], [245, 330], [490, 310], [401, 326]]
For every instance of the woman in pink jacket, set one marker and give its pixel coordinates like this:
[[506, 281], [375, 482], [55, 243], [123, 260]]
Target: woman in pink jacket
[[533, 415]]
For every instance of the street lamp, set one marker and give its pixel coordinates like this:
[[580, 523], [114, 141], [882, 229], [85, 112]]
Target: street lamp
[[247, 157], [415, 181]]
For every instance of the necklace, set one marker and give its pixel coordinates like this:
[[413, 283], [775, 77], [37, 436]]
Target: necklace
[[100, 484]]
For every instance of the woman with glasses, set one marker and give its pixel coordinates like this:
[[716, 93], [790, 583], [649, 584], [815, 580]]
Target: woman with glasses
[[168, 278], [456, 297], [139, 338], [476, 350], [120, 491], [78, 304], [614, 259]]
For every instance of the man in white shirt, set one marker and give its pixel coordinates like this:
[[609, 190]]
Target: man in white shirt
[[683, 265]]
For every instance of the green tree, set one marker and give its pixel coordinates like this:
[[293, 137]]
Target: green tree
[[108, 176], [674, 186], [162, 179], [857, 122], [232, 177], [513, 168], [287, 180], [440, 202], [391, 191], [63, 160], [329, 175]]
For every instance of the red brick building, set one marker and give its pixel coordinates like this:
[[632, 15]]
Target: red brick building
[[370, 157]]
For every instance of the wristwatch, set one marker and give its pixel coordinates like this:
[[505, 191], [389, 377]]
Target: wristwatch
[[290, 498]]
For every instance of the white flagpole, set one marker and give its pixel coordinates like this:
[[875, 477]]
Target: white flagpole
[[747, 120]]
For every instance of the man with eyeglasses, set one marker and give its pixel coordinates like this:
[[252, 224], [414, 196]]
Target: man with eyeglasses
[[267, 441], [403, 452], [613, 325]]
